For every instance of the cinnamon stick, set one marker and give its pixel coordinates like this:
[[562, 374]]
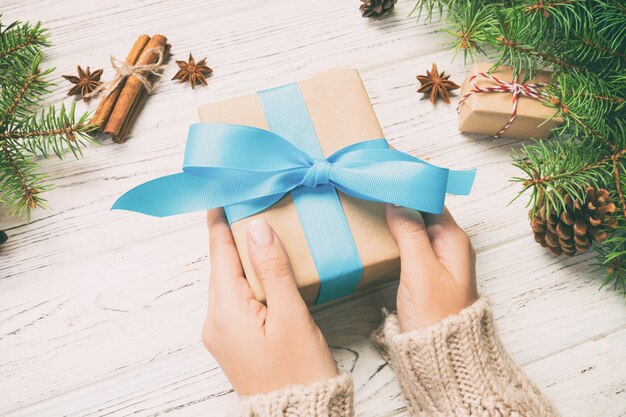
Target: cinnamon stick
[[105, 108], [133, 113], [130, 94], [139, 102]]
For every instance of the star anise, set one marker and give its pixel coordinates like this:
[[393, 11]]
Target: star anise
[[436, 84], [192, 71], [85, 83]]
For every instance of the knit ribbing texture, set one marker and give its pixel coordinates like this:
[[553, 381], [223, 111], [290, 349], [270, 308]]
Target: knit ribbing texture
[[459, 367], [331, 398]]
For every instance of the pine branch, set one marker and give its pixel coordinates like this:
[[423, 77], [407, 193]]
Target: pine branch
[[472, 28], [26, 131], [560, 165], [53, 131], [432, 6], [610, 17], [519, 49], [19, 43], [603, 50], [19, 96], [584, 43], [618, 184], [587, 105], [20, 183], [612, 259], [25, 190], [555, 17], [616, 100]]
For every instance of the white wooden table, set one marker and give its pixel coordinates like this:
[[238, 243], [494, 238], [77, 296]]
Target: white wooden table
[[100, 312]]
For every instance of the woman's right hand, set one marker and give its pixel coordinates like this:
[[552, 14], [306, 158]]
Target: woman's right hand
[[438, 274], [261, 348]]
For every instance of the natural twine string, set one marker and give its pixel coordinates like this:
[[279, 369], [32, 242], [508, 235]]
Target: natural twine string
[[528, 90], [139, 71]]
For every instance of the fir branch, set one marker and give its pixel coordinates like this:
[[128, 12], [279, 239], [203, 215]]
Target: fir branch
[[19, 43], [586, 104], [618, 184], [600, 48], [617, 100], [432, 6], [17, 172], [610, 17], [560, 165], [54, 131], [546, 8], [26, 131], [512, 47], [612, 259], [551, 18], [21, 94], [584, 43], [20, 183], [472, 29]]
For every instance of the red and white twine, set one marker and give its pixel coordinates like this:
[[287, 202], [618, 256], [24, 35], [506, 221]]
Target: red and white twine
[[526, 90]]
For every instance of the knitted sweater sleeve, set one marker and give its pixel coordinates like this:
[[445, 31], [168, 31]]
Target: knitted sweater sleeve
[[459, 367], [330, 398]]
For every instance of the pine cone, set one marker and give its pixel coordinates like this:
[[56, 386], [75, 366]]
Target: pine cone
[[579, 224], [376, 8]]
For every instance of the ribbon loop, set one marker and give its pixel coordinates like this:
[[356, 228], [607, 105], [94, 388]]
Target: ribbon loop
[[318, 174]]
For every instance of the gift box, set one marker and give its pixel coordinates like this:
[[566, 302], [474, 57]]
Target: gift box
[[494, 104], [310, 157], [341, 113]]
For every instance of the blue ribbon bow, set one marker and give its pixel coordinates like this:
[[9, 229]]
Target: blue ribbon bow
[[246, 170], [251, 169]]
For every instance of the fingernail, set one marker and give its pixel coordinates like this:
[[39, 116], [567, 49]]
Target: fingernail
[[260, 232]]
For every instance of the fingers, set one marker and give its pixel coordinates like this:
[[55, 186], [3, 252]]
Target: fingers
[[227, 278], [443, 229], [224, 255], [443, 220], [451, 245], [409, 230], [271, 265]]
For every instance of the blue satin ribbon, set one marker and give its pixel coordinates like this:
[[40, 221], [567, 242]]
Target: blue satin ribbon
[[247, 170], [338, 265], [232, 164]]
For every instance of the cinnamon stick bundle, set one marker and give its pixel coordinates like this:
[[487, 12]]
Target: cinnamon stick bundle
[[105, 108], [119, 109]]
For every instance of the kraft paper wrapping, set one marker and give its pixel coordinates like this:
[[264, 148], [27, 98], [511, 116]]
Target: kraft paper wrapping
[[342, 114], [489, 112]]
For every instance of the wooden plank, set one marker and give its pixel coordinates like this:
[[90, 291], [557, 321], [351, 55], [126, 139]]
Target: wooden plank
[[100, 312], [587, 379], [137, 340]]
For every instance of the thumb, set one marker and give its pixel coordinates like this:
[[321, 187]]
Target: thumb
[[409, 231], [271, 265]]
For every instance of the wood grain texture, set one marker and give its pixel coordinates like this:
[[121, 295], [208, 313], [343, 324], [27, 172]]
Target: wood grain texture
[[100, 312]]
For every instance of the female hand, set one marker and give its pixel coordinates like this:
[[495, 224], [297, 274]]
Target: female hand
[[260, 348], [437, 262]]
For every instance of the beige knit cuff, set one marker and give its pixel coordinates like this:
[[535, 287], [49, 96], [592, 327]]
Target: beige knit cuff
[[330, 398], [459, 367]]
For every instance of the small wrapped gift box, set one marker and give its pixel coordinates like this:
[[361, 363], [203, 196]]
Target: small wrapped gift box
[[494, 104], [310, 158]]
